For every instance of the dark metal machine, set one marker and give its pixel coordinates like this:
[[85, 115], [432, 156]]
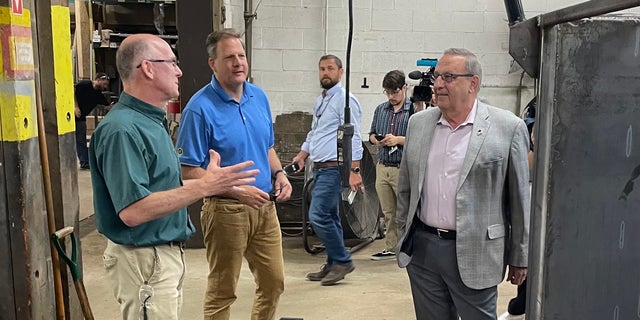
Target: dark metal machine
[[585, 245]]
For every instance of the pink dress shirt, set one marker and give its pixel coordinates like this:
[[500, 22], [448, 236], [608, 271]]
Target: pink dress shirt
[[446, 156]]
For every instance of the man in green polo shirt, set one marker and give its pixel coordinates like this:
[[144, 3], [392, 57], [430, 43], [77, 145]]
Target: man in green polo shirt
[[138, 193]]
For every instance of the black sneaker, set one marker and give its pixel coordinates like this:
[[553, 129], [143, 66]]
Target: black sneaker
[[85, 166], [384, 255], [317, 276]]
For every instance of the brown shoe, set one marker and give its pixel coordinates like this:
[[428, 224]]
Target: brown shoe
[[317, 276], [337, 273]]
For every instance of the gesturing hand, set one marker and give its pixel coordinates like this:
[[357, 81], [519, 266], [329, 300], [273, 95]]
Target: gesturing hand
[[219, 180]]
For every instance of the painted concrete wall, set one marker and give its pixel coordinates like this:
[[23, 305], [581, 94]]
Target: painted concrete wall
[[289, 36]]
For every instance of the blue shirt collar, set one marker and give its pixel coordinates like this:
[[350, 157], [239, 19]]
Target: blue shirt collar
[[217, 88], [335, 89]]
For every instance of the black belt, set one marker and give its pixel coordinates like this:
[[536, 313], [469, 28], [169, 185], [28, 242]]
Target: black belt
[[221, 198], [386, 164], [326, 164], [441, 233], [175, 243]]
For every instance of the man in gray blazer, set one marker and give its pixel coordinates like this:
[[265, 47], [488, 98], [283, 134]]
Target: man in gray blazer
[[463, 197]]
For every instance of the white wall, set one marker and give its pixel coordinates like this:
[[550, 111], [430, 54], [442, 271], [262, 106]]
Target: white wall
[[289, 36]]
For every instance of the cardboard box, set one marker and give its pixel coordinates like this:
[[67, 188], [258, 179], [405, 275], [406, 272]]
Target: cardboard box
[[104, 39]]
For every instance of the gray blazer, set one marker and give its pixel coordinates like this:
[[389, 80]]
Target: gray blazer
[[493, 199]]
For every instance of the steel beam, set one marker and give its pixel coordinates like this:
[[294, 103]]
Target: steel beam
[[525, 37]]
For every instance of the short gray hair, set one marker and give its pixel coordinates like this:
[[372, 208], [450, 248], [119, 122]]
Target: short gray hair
[[472, 65]]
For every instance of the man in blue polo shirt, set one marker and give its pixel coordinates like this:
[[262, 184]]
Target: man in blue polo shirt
[[233, 117], [138, 193]]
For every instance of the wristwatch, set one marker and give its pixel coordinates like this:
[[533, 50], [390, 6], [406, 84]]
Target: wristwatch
[[355, 170]]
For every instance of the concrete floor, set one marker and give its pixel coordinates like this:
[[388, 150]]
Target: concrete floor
[[375, 290]]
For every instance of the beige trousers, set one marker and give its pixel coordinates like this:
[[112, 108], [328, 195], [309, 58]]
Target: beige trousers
[[157, 271], [233, 231], [387, 188]]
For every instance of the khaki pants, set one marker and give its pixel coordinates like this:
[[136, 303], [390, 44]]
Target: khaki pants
[[159, 269], [232, 231], [387, 188]]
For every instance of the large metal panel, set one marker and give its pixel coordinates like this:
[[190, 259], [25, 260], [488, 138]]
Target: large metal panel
[[585, 247]]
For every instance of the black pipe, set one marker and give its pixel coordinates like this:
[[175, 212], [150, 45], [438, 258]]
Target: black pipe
[[515, 13]]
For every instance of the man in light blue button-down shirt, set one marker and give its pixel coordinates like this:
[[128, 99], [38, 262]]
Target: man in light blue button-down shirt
[[321, 146]]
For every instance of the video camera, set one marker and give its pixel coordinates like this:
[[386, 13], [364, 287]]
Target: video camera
[[422, 92]]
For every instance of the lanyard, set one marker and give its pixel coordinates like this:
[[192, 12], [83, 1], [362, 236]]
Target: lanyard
[[394, 122], [321, 110]]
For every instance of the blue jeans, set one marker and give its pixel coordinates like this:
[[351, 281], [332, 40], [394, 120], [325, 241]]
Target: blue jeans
[[324, 213], [81, 142]]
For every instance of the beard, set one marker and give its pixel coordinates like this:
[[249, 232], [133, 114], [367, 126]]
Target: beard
[[327, 83]]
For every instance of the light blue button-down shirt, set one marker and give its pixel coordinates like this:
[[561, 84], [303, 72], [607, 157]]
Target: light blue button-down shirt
[[328, 115]]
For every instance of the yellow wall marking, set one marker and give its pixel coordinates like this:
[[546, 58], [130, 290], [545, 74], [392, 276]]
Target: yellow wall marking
[[19, 123], [60, 20]]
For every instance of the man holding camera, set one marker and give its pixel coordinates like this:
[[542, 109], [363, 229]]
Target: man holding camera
[[388, 129]]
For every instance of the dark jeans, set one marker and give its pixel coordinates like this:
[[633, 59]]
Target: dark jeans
[[324, 213], [81, 143]]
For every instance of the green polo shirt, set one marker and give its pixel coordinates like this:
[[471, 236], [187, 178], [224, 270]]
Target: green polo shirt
[[131, 156]]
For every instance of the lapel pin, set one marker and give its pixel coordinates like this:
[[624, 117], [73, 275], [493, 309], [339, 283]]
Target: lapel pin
[[479, 132]]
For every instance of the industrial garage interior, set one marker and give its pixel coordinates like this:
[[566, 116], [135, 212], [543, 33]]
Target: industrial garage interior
[[578, 59]]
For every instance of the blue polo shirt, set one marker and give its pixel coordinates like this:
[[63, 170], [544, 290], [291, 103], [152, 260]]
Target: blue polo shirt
[[131, 156], [237, 131]]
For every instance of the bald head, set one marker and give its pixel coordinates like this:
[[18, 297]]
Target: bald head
[[132, 50], [148, 69]]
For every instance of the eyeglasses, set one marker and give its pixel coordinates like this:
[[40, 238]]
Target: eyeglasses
[[174, 62], [449, 77], [391, 92]]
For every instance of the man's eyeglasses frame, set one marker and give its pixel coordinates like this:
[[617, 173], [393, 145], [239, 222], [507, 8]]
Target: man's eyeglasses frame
[[449, 77], [172, 61]]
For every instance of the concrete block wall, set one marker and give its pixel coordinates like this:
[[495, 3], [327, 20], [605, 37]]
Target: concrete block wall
[[289, 36], [290, 131]]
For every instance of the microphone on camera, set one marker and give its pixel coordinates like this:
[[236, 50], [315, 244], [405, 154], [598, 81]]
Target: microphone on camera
[[415, 75]]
